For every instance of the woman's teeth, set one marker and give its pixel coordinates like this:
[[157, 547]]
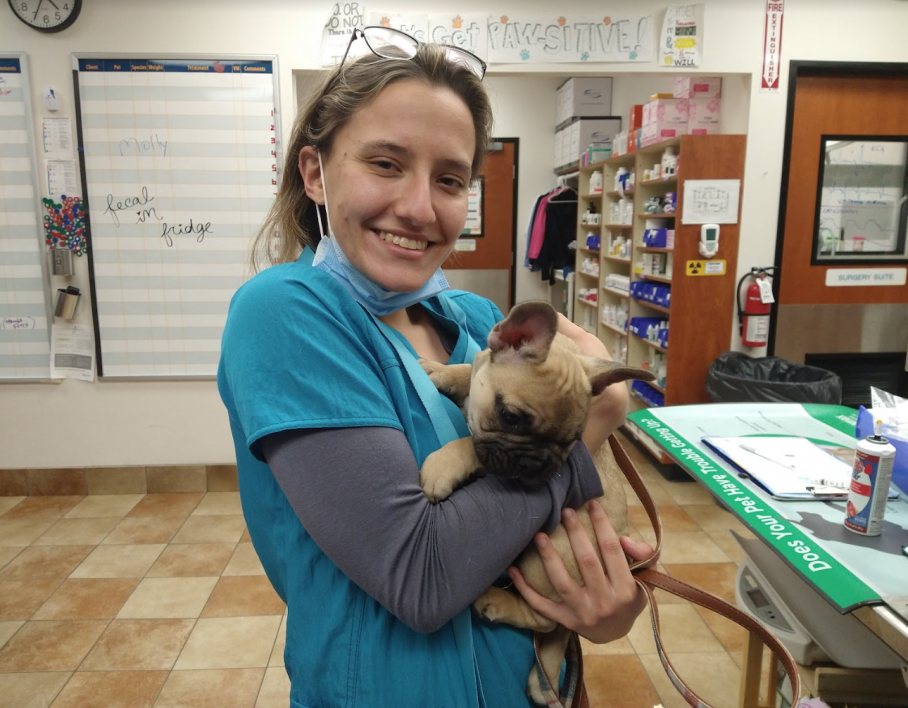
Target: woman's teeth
[[403, 242]]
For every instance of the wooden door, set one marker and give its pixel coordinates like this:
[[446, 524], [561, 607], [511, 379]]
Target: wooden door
[[828, 99], [832, 105], [489, 269]]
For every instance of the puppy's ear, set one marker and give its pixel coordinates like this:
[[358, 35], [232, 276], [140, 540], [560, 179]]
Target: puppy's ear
[[528, 329], [604, 373]]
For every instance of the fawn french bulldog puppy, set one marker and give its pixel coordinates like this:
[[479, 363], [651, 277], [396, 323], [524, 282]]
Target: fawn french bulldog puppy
[[526, 399]]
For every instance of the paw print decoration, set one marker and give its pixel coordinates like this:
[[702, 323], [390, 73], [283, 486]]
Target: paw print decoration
[[525, 54]]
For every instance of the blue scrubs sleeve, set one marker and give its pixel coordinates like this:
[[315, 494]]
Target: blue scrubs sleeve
[[290, 352]]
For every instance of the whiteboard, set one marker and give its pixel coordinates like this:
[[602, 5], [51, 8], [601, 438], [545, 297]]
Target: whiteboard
[[180, 161], [24, 313]]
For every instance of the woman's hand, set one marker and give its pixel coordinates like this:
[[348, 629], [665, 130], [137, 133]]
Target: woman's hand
[[609, 409], [606, 606]]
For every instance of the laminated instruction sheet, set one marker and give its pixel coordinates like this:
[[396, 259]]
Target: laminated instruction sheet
[[848, 569]]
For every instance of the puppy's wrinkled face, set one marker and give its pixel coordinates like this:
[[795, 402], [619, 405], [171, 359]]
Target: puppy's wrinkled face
[[526, 413]]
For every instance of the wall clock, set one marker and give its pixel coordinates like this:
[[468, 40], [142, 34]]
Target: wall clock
[[47, 15]]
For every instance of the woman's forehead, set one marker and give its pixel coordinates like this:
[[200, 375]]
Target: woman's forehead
[[413, 115]]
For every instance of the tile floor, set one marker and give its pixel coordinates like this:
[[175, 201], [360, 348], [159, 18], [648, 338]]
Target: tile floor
[[159, 600]]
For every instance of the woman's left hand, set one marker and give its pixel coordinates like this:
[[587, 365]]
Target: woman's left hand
[[606, 606]]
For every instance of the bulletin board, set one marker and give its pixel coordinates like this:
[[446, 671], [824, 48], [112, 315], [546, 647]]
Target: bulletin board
[[24, 284], [180, 160]]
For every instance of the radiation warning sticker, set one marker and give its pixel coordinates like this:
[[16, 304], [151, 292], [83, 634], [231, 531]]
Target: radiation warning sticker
[[706, 267]]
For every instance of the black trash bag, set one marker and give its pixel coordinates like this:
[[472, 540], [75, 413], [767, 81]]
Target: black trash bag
[[737, 378]]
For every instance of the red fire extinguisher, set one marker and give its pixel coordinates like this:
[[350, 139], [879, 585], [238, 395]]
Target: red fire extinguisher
[[753, 317]]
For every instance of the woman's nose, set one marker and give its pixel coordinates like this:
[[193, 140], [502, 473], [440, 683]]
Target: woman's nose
[[414, 201]]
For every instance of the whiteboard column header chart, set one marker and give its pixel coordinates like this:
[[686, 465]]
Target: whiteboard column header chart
[[181, 159], [24, 336]]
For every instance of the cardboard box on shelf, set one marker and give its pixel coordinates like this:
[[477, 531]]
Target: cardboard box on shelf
[[636, 117], [583, 96], [668, 111], [581, 132], [698, 87], [704, 116], [657, 132], [559, 148]]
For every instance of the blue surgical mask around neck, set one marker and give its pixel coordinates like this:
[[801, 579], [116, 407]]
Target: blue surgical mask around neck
[[378, 300]]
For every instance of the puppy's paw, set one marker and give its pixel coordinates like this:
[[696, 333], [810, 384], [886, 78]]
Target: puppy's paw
[[489, 607], [432, 368], [534, 688], [434, 486], [441, 377]]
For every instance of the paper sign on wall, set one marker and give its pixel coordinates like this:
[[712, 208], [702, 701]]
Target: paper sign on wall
[[681, 41], [541, 39], [57, 137], [415, 25], [772, 45], [469, 32], [344, 18], [711, 201]]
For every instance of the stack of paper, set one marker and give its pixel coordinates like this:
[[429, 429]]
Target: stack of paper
[[787, 467]]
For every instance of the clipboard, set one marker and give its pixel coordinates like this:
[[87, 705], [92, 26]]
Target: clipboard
[[788, 468]]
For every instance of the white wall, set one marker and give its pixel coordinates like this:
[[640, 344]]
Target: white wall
[[136, 423]]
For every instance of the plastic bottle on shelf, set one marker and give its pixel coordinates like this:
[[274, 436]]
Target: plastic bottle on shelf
[[596, 181], [628, 215], [669, 162], [621, 177]]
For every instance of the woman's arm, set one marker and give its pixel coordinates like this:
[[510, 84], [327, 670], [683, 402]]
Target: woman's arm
[[357, 494]]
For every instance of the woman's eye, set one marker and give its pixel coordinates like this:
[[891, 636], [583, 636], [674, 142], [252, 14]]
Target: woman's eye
[[452, 182]]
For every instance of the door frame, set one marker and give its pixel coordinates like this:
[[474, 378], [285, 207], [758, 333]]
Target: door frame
[[810, 68], [512, 294]]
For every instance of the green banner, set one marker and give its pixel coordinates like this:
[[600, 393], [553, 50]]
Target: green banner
[[833, 416], [812, 562]]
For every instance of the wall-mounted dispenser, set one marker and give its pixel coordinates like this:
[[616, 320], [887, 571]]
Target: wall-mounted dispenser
[[67, 299], [61, 261]]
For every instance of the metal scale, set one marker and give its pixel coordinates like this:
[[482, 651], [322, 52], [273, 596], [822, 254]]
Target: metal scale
[[810, 628]]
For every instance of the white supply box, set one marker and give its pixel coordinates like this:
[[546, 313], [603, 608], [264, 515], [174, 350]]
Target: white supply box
[[577, 135], [703, 116], [667, 111], [582, 97], [559, 149], [698, 87]]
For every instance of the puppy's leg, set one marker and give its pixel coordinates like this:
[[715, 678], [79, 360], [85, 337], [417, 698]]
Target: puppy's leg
[[499, 605], [451, 380], [552, 648], [448, 468]]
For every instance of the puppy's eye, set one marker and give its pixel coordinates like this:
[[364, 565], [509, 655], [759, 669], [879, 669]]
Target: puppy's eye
[[511, 418]]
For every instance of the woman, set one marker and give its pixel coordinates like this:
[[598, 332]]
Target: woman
[[317, 376]]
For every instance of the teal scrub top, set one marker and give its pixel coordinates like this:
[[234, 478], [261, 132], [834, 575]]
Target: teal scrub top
[[293, 342]]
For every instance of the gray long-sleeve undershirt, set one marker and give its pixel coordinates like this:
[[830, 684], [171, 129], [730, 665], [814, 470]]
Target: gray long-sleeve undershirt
[[356, 491]]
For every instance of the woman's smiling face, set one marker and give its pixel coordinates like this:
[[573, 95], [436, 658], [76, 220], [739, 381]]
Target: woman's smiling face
[[396, 182]]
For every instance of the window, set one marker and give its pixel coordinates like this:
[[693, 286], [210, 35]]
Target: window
[[862, 200]]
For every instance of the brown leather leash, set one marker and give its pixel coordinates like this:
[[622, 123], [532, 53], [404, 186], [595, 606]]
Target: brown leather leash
[[574, 694]]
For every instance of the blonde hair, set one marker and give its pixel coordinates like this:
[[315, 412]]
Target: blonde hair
[[291, 223]]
